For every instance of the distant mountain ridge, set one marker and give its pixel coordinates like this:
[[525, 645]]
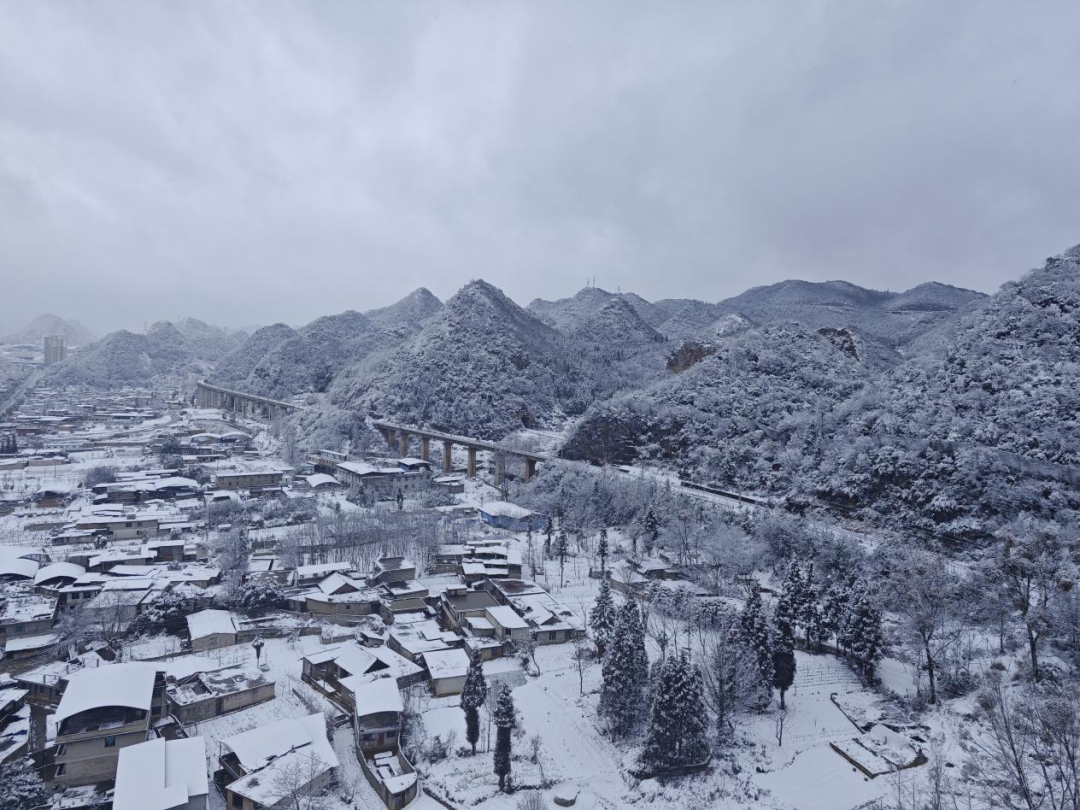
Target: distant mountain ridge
[[48, 324], [897, 318], [125, 358], [280, 361]]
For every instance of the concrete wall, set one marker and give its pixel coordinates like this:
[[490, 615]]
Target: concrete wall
[[88, 760], [213, 642], [447, 686], [209, 708]]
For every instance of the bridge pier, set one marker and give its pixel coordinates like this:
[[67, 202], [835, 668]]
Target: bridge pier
[[425, 448], [530, 469], [403, 443], [470, 469], [447, 456], [500, 469]]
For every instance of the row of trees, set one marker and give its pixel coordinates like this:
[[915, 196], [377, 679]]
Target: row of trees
[[473, 695], [743, 656]]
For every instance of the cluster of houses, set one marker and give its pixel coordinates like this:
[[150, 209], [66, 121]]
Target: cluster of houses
[[112, 717]]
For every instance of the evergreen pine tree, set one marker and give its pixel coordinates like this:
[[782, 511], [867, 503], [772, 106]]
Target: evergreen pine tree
[[549, 530], [562, 548], [861, 633], [473, 695], [790, 602], [602, 550], [677, 723], [754, 628], [505, 720], [734, 680], [810, 609], [602, 617], [833, 608], [20, 786], [783, 659], [652, 530], [625, 671]]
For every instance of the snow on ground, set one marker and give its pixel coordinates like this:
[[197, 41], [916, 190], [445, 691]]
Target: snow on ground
[[804, 772]]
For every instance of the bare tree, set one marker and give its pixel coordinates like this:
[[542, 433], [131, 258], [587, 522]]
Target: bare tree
[[730, 673], [1032, 562], [296, 785], [923, 589], [581, 659], [1030, 756], [533, 800]]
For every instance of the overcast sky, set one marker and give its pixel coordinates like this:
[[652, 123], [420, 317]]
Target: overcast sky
[[248, 162]]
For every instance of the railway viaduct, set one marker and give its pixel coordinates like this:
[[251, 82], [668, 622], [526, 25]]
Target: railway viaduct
[[400, 438], [214, 396]]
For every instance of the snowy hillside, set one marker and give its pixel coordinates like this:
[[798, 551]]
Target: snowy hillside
[[236, 367], [209, 342], [566, 314], [124, 358], [482, 366], [897, 318], [745, 413], [42, 325]]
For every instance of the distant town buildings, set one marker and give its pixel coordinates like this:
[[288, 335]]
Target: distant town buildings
[[55, 349]]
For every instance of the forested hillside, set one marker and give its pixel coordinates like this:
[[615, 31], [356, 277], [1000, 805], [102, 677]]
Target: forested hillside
[[975, 426], [124, 358]]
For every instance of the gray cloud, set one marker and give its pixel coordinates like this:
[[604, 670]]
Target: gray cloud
[[252, 161]]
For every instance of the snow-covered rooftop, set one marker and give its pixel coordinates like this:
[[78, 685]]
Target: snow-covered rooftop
[[506, 617], [130, 685], [380, 695], [278, 748], [59, 569], [505, 509], [209, 623], [322, 480], [447, 663], [161, 774]]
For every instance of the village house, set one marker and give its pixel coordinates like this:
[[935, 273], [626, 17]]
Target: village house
[[254, 761], [510, 517], [307, 575], [163, 775], [382, 481], [211, 629], [254, 482], [103, 710], [377, 730], [414, 634], [460, 603], [194, 696], [339, 671], [25, 616], [14, 720], [549, 620], [446, 671]]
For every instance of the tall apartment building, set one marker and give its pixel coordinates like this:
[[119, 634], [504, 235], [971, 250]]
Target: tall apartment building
[[55, 348]]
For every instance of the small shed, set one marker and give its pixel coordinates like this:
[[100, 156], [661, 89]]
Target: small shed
[[447, 669], [511, 517], [211, 629]]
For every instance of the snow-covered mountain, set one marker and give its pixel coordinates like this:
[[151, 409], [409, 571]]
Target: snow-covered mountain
[[897, 318], [737, 411], [207, 341], [566, 314], [125, 358], [482, 365], [42, 325], [409, 312], [236, 367], [978, 423], [279, 361]]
